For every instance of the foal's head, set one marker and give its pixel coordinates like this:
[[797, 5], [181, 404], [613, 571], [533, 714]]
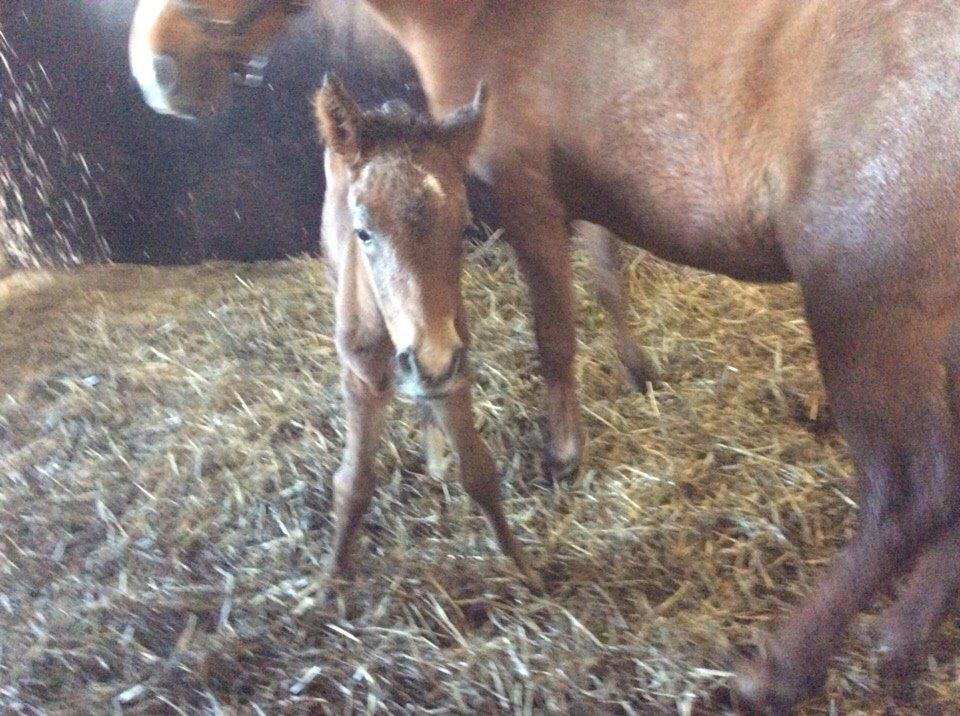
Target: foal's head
[[185, 53], [395, 187]]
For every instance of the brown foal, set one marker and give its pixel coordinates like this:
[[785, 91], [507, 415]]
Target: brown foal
[[770, 140], [394, 215]]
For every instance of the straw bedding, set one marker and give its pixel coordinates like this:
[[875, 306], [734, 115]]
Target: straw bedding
[[166, 443]]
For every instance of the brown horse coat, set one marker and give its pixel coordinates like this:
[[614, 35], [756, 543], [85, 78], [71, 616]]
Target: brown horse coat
[[813, 140]]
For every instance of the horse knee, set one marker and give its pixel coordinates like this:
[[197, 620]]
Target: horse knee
[[368, 363], [353, 490]]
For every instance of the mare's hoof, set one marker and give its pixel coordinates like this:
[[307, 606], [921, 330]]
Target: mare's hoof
[[899, 662], [641, 370], [765, 686]]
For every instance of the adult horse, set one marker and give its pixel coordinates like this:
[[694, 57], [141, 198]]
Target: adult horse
[[766, 139]]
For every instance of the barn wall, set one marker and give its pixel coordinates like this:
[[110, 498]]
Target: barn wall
[[86, 167]]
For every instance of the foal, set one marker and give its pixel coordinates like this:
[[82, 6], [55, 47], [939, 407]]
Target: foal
[[394, 215]]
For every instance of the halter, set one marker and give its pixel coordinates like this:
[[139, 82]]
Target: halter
[[246, 72]]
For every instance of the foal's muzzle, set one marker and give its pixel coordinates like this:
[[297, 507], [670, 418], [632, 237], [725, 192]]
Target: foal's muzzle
[[420, 383]]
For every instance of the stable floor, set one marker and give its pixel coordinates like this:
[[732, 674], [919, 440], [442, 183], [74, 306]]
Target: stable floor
[[167, 438]]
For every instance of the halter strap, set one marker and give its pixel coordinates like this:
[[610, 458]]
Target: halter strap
[[247, 72], [255, 10]]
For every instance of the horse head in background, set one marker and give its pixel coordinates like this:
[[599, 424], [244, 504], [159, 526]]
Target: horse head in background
[[215, 43]]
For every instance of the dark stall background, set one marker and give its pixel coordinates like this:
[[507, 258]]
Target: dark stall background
[[88, 171]]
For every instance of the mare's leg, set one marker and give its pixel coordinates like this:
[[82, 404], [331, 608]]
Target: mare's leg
[[884, 371], [536, 227], [479, 475], [908, 625], [613, 292]]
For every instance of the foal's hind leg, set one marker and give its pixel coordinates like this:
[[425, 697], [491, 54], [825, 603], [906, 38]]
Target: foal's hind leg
[[613, 292], [479, 475], [885, 378]]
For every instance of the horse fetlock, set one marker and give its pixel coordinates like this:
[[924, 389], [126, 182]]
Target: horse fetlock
[[562, 459], [901, 645], [771, 684], [901, 662]]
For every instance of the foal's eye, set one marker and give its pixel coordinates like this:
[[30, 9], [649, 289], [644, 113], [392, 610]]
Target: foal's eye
[[364, 236]]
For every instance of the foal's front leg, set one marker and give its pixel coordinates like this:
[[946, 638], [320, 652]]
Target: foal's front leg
[[479, 475], [354, 483]]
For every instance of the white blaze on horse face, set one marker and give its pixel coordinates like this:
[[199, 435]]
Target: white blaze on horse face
[[142, 54], [401, 302], [431, 183], [436, 348]]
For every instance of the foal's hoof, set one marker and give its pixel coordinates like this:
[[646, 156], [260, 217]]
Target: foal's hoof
[[556, 470], [768, 687]]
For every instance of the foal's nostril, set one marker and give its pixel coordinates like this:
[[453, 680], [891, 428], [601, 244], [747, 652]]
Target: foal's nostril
[[166, 72], [407, 362]]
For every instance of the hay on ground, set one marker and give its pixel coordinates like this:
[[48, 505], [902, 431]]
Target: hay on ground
[[166, 444]]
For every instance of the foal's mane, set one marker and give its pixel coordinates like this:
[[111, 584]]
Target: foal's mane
[[396, 122]]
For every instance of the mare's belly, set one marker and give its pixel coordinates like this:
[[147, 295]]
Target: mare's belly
[[683, 215]]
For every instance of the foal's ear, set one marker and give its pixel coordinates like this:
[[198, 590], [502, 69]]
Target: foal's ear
[[461, 130], [341, 119]]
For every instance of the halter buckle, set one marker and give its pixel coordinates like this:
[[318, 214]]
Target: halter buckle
[[247, 73], [250, 73]]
